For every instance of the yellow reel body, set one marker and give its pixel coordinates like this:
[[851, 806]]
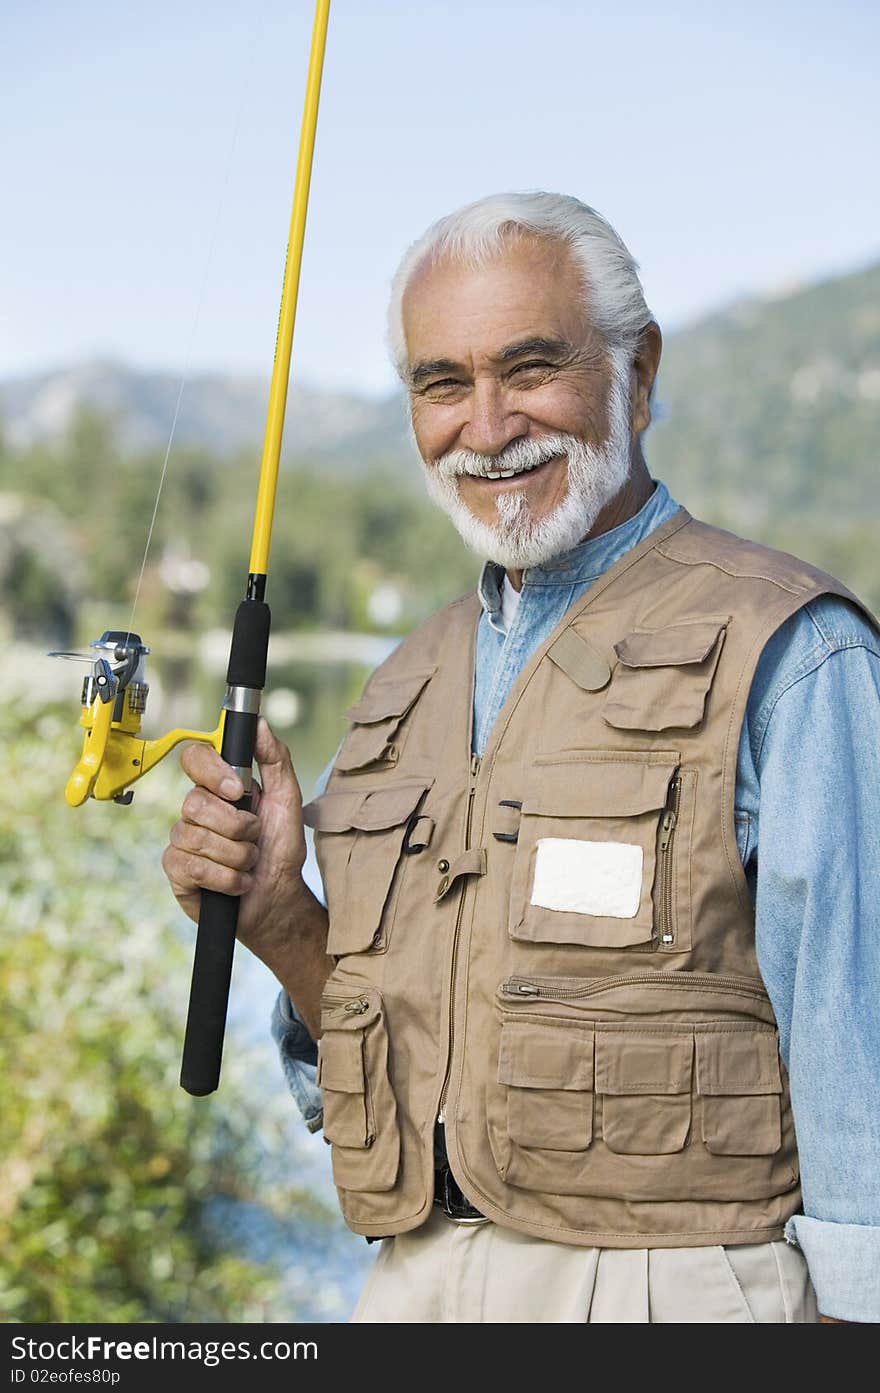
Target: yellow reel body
[[114, 753]]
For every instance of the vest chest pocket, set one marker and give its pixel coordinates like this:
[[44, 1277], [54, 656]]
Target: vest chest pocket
[[360, 1114], [359, 841], [663, 676], [378, 717], [594, 855]]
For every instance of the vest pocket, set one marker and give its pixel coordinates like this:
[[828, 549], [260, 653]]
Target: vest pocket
[[679, 1088], [377, 737], [663, 676], [360, 1114], [739, 1084], [586, 869], [546, 1069], [359, 840], [644, 1078]]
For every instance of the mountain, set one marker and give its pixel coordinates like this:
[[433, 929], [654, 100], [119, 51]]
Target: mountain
[[770, 411], [219, 413], [766, 413]]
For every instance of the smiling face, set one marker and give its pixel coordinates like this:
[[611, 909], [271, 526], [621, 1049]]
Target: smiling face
[[507, 372]]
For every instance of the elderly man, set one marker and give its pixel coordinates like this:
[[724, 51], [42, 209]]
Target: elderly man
[[599, 853]]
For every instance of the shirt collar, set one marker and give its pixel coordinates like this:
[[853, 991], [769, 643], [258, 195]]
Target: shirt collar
[[588, 559]]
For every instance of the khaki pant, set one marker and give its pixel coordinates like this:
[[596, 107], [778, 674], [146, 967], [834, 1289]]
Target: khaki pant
[[460, 1274]]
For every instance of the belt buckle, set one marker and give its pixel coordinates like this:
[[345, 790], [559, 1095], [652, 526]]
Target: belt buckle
[[448, 1203]]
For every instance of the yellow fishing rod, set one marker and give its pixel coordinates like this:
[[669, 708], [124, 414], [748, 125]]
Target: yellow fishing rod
[[114, 755]]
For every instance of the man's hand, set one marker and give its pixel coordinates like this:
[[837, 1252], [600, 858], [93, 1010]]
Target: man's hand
[[258, 855]]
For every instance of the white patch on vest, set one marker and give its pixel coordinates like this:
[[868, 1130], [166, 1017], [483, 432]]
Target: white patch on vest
[[601, 878]]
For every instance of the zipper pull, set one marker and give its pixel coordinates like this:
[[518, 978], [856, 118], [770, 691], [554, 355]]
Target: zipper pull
[[475, 769], [514, 987], [357, 1007], [667, 827]]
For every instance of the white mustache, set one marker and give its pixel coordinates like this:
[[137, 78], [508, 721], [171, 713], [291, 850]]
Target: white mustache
[[519, 454]]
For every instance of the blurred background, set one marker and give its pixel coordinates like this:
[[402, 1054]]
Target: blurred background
[[147, 167]]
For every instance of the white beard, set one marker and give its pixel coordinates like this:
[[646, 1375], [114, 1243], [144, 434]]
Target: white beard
[[518, 540]]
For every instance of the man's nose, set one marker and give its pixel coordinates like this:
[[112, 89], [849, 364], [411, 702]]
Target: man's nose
[[492, 424]]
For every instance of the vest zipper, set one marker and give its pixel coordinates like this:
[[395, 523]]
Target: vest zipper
[[472, 783], [664, 877], [520, 987], [352, 1006]]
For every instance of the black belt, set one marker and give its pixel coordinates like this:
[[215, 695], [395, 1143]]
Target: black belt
[[451, 1200]]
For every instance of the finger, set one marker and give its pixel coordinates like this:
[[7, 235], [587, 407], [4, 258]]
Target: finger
[[239, 856], [276, 766], [204, 809], [188, 873], [174, 865], [204, 766]]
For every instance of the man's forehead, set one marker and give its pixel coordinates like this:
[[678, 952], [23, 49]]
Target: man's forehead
[[531, 290]]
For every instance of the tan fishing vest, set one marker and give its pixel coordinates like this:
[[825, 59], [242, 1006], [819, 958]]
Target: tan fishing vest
[[553, 948]]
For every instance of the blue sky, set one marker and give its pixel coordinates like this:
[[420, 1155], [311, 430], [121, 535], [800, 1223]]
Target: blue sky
[[733, 147]]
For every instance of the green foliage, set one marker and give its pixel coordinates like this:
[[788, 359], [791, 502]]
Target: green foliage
[[335, 538], [769, 414], [107, 1169]]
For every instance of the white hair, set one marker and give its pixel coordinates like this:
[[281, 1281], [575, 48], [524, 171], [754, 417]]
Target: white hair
[[613, 294]]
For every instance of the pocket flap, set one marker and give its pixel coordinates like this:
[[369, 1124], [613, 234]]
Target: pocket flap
[[642, 1061], [389, 696], [341, 1062], [737, 1061], [598, 784], [546, 1056], [579, 660], [371, 810], [367, 745], [691, 642]]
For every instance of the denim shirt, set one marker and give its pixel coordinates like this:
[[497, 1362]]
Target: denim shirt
[[808, 795]]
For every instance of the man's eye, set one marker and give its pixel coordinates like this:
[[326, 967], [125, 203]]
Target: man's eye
[[533, 367], [443, 385]]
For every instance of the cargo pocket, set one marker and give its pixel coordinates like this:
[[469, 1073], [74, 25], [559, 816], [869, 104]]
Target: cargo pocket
[[740, 1086], [545, 1102], [359, 841], [586, 865], [376, 737], [360, 1113], [644, 1079], [663, 676]]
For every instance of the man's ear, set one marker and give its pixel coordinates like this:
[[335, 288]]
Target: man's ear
[[643, 374]]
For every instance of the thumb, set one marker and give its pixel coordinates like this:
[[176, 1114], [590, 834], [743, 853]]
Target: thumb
[[276, 766]]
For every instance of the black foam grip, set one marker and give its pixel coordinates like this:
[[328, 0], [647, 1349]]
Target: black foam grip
[[215, 944], [209, 994], [239, 738], [250, 645]]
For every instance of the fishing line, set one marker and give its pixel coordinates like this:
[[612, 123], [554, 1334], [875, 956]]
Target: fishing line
[[114, 753], [187, 360]]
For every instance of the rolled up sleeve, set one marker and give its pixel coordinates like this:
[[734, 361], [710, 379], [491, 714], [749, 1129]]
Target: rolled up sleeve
[[844, 1264]]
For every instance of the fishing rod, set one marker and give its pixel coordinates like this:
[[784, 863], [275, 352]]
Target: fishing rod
[[114, 755]]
